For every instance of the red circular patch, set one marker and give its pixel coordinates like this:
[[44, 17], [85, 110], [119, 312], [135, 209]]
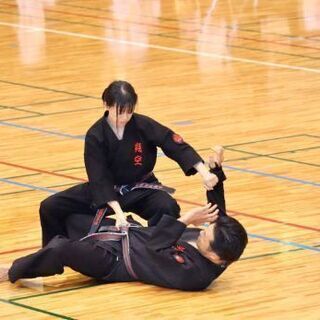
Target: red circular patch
[[179, 258], [177, 139]]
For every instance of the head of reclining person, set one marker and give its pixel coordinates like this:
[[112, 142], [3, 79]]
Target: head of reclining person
[[224, 241]]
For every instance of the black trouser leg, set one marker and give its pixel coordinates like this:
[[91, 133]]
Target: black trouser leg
[[80, 256], [147, 203], [55, 209], [216, 195], [150, 204]]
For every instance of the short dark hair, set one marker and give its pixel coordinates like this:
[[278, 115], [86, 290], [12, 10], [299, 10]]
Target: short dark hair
[[120, 94], [230, 239]]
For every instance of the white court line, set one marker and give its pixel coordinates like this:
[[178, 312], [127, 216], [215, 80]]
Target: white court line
[[164, 48]]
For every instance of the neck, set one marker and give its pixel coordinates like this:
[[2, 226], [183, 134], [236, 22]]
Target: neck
[[118, 131], [213, 257]]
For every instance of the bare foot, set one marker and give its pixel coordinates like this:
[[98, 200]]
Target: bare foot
[[4, 274], [217, 158]]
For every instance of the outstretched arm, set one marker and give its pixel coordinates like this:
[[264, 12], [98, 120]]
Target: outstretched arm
[[209, 179], [216, 195]]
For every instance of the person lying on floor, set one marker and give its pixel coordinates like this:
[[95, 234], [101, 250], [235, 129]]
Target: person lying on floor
[[168, 254]]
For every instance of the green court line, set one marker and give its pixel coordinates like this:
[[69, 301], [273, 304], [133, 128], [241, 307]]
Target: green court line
[[23, 176], [49, 102], [52, 113], [67, 169], [22, 118], [98, 284], [54, 292], [14, 300], [184, 21], [312, 136], [22, 110], [36, 309], [295, 150], [255, 49], [264, 140], [252, 156], [32, 190], [269, 254], [156, 171], [272, 157], [168, 34], [48, 89], [274, 253], [37, 174]]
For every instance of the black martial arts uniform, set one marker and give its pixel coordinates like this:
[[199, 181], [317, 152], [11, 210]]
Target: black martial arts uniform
[[112, 162], [160, 255]]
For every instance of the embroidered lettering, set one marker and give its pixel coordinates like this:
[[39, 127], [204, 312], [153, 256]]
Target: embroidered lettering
[[137, 160]]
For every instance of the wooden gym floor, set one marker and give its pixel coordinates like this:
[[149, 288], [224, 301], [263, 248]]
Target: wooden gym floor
[[244, 74]]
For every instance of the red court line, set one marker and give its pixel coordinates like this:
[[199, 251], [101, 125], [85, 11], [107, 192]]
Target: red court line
[[181, 200], [42, 171], [258, 217], [275, 221], [172, 28]]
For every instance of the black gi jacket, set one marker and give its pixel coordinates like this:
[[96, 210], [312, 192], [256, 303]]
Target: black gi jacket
[[110, 161], [154, 251]]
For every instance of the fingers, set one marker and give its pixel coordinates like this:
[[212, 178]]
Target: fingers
[[209, 181], [121, 222], [212, 212], [210, 208], [212, 217]]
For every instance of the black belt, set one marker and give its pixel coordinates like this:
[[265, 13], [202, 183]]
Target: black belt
[[143, 185], [117, 234]]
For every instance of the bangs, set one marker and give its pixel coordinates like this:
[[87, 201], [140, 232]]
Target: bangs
[[125, 108]]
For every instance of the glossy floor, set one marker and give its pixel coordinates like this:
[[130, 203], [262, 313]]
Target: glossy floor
[[244, 74]]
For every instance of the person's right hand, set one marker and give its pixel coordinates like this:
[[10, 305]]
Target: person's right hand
[[120, 215], [210, 180], [200, 215], [121, 220]]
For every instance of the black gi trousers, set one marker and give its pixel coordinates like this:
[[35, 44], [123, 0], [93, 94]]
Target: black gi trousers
[[147, 203], [87, 258], [81, 256]]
